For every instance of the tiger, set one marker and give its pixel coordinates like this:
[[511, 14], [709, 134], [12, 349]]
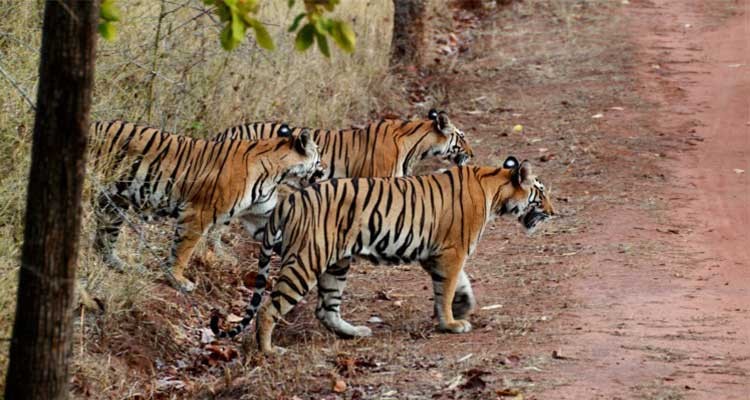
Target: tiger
[[390, 147], [435, 220], [199, 182]]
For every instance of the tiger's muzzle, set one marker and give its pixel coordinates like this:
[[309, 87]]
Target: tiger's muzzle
[[461, 159], [318, 173], [532, 218]]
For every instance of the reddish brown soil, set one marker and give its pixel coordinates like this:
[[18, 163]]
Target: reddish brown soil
[[676, 323], [638, 289]]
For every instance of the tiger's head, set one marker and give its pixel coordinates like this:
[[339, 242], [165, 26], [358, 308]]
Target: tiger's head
[[524, 197], [305, 164], [449, 141]]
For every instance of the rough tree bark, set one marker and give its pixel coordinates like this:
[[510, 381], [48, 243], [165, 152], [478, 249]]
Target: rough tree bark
[[41, 345], [408, 31]]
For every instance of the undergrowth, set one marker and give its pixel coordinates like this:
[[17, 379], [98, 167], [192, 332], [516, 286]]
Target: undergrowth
[[167, 69]]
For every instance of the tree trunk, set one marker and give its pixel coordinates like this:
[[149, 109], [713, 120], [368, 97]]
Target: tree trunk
[[40, 348], [408, 31]]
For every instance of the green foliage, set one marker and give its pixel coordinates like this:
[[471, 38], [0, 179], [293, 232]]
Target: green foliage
[[237, 14], [305, 37], [109, 13], [261, 34], [238, 17], [319, 28]]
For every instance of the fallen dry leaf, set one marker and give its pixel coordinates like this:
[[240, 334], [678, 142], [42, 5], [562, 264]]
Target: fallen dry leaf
[[383, 295], [511, 360], [222, 353], [207, 336], [351, 366], [557, 354], [508, 392], [454, 383], [474, 379], [339, 386], [166, 384], [547, 157], [233, 318]]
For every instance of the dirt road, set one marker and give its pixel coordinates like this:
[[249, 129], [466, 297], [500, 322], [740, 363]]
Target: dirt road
[[675, 323], [637, 115]]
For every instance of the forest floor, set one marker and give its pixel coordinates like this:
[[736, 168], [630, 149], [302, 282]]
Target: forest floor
[[638, 117]]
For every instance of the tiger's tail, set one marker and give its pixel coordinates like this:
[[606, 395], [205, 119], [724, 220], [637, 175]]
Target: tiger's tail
[[271, 242]]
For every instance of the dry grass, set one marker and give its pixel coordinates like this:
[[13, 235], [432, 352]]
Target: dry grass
[[146, 343], [183, 82]]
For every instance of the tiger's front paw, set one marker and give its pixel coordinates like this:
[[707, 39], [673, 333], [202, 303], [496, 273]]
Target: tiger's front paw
[[115, 262], [457, 326], [274, 351], [183, 283], [362, 331], [463, 304]]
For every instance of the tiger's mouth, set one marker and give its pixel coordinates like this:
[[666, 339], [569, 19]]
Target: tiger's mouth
[[317, 174], [531, 219], [461, 159]]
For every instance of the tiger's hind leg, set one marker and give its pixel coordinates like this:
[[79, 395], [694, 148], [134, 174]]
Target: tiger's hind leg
[[255, 225], [463, 300], [293, 283], [215, 234], [110, 209], [446, 271], [191, 225], [330, 288]]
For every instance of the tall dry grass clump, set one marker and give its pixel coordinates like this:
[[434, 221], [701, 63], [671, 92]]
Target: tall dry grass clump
[[166, 68]]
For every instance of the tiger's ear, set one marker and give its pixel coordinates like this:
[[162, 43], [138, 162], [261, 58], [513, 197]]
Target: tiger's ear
[[302, 142], [284, 131], [510, 163], [523, 176], [433, 114], [442, 122]]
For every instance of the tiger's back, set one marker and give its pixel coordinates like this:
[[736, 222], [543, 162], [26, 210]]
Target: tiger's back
[[381, 149], [200, 182], [435, 220], [388, 220]]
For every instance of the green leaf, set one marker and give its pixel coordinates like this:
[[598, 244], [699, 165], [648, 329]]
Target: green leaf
[[238, 28], [227, 41], [304, 38], [107, 30], [320, 26], [323, 44], [290, 3], [209, 2], [261, 35], [296, 21], [109, 11], [343, 35], [224, 13], [247, 7]]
